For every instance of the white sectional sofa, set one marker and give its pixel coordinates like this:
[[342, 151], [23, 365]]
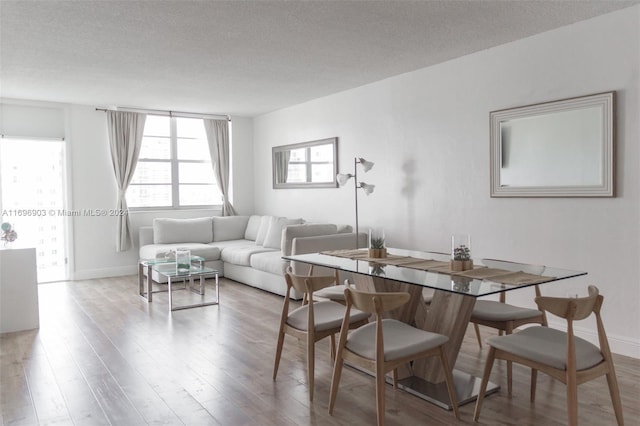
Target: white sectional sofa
[[247, 249]]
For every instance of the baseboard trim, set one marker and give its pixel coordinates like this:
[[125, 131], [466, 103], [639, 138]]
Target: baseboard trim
[[90, 274]]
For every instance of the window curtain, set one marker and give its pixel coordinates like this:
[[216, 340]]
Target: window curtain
[[282, 166], [125, 139], [218, 138]]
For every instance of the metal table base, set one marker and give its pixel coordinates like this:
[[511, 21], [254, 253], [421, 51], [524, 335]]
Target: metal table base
[[200, 291], [145, 267], [466, 386]]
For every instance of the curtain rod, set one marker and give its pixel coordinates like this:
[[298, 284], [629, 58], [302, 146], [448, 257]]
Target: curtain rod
[[169, 113], [34, 138]]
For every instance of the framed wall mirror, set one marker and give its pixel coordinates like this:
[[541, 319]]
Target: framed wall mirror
[[562, 148], [311, 164]]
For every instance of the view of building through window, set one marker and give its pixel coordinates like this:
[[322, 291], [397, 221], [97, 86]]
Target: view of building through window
[[174, 167], [32, 174]]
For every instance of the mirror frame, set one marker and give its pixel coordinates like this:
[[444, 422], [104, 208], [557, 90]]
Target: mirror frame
[[605, 189], [282, 148]]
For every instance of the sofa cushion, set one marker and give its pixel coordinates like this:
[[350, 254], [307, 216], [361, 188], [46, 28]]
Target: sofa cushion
[[151, 251], [241, 255], [168, 231], [229, 227], [274, 234], [251, 233], [265, 221], [222, 245], [270, 261]]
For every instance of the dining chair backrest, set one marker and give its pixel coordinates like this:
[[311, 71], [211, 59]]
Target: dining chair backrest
[[375, 303], [307, 283], [572, 308]]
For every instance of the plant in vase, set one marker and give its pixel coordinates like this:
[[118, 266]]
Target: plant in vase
[[461, 254], [377, 249]]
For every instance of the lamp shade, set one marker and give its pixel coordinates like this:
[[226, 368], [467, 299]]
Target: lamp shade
[[366, 165], [343, 178], [368, 189]]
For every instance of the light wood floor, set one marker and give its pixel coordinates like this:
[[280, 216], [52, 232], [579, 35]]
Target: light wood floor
[[104, 356]]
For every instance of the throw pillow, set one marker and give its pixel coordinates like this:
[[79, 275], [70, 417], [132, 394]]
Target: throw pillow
[[169, 231], [252, 228], [265, 221], [229, 227], [274, 235]]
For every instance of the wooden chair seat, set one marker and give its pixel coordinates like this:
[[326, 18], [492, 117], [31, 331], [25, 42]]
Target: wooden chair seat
[[327, 315], [333, 292], [491, 310], [547, 346], [400, 340]]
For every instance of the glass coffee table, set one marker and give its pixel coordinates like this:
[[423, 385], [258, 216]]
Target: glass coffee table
[[167, 267]]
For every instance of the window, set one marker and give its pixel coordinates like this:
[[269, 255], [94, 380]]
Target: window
[[174, 167], [311, 164], [306, 165], [32, 195]]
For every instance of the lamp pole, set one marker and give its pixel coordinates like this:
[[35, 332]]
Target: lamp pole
[[355, 186], [368, 189]]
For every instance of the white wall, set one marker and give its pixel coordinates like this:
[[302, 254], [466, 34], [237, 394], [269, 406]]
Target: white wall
[[428, 132]]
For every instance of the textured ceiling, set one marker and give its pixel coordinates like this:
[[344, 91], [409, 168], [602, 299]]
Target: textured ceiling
[[247, 57]]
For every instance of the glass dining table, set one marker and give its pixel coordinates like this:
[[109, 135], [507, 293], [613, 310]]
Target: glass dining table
[[454, 297]]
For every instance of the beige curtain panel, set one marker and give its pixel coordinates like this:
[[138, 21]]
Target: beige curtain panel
[[125, 139], [218, 138]]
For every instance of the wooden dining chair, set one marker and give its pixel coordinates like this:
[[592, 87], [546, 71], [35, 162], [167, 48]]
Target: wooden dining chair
[[313, 321], [505, 318], [384, 345], [559, 354]]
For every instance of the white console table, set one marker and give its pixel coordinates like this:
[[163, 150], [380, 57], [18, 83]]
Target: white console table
[[18, 290]]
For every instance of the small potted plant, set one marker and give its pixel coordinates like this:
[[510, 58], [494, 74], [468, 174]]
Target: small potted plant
[[377, 249], [460, 254]]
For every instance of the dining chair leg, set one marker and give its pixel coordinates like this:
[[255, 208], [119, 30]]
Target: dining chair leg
[[311, 356], [534, 380], [333, 347], [380, 382], [335, 380], [395, 378], [477, 329], [509, 330], [485, 380], [572, 399], [449, 379], [612, 381], [278, 353]]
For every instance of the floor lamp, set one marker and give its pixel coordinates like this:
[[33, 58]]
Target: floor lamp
[[368, 189]]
